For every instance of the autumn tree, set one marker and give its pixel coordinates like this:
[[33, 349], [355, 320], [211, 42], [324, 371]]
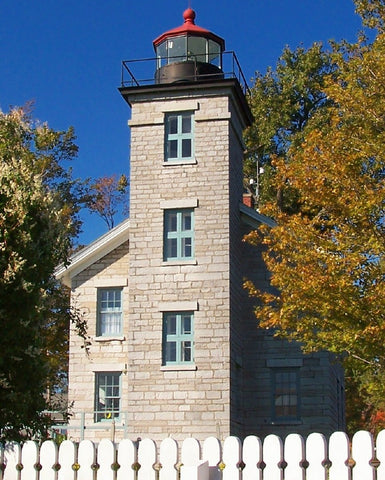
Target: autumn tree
[[372, 13], [38, 220], [107, 196], [327, 259]]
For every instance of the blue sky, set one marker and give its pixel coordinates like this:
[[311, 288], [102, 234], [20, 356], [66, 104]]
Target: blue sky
[[66, 57]]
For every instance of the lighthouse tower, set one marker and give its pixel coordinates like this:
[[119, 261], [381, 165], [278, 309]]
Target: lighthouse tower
[[185, 279], [175, 347]]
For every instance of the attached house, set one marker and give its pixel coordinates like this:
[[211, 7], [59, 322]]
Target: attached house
[[175, 345]]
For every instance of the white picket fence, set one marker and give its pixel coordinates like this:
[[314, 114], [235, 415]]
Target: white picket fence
[[295, 458]]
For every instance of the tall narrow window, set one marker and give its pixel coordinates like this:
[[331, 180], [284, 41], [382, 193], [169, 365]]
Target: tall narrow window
[[178, 338], [179, 136], [107, 396], [179, 234], [110, 312], [285, 382]]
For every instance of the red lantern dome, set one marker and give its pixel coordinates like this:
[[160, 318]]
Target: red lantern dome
[[188, 53]]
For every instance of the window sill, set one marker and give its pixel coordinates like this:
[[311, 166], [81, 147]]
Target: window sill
[[113, 338], [173, 368], [101, 423], [175, 163], [168, 263], [286, 422]]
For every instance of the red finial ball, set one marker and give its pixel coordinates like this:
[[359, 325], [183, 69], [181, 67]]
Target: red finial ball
[[189, 15]]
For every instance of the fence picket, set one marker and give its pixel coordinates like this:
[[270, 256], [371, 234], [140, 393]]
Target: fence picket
[[191, 451], [316, 455], [252, 457], [339, 456], [12, 458], [29, 460], [232, 456], [147, 458], [48, 460], [294, 454], [168, 457], [127, 458], [272, 456], [106, 455], [67, 458], [254, 460], [86, 460], [380, 455], [362, 453], [212, 452]]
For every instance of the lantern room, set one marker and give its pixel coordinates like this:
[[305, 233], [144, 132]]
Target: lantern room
[[188, 53]]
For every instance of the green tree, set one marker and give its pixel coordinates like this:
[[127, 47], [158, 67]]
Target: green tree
[[283, 101], [327, 259], [38, 220]]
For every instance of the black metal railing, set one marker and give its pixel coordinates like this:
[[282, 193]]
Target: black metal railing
[[141, 72]]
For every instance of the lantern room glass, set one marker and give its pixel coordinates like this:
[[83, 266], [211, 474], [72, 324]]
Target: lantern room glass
[[184, 48]]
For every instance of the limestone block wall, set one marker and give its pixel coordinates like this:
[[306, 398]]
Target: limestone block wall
[[196, 399], [321, 380], [104, 355]]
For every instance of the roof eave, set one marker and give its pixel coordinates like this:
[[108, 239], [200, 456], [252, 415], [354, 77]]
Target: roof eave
[[93, 252], [253, 218]]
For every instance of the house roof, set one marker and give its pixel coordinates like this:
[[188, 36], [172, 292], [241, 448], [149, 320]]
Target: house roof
[[253, 218], [189, 28], [93, 252], [120, 234]]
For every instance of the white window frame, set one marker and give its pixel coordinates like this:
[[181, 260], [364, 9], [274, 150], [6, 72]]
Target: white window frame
[[177, 239], [179, 137], [104, 325], [178, 343], [108, 393], [285, 394]]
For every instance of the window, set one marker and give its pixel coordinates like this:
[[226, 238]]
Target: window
[[178, 336], [179, 49], [179, 136], [179, 234], [109, 312], [285, 394], [107, 396]]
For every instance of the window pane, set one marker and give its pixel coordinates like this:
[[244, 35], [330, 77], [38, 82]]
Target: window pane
[[186, 123], [186, 148], [172, 149], [186, 351], [110, 323], [177, 49], [197, 49], [187, 247], [172, 221], [171, 325], [161, 52], [186, 221], [172, 124], [172, 248], [186, 324], [214, 53], [171, 352]]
